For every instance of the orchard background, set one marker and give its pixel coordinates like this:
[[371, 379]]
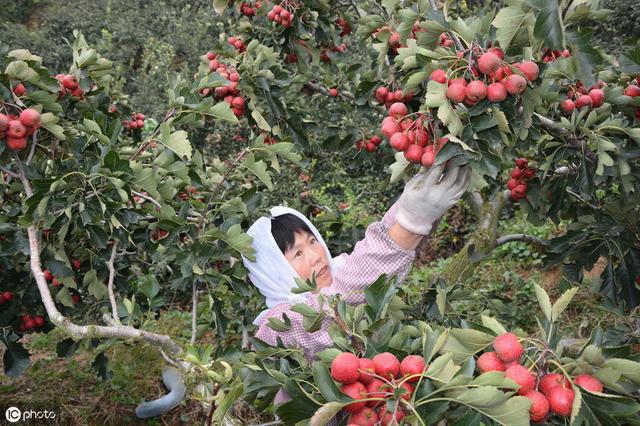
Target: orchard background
[[124, 213]]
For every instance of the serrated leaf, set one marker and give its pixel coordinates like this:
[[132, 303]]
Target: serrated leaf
[[16, 357], [508, 22], [260, 121], [628, 368], [259, 168], [222, 110], [49, 121], [20, 70], [24, 55], [416, 79], [501, 119], [549, 26], [463, 343], [63, 296], [219, 6], [560, 304], [543, 301], [178, 142], [94, 286], [450, 118]]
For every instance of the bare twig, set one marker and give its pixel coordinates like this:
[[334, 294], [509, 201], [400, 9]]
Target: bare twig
[[579, 197], [10, 173], [148, 198], [32, 150], [112, 273], [356, 8], [523, 238]]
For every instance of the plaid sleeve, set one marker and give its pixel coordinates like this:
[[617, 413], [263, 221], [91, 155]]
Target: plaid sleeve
[[296, 336], [374, 255]]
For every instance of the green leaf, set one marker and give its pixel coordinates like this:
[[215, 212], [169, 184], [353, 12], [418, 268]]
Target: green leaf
[[227, 402], [20, 70], [16, 357], [259, 168], [549, 26], [510, 412], [219, 6], [279, 325], [64, 297], [509, 22], [493, 324], [399, 168], [416, 80], [325, 413], [222, 110], [629, 369], [443, 369], [49, 121], [450, 119], [326, 385], [260, 121], [24, 55], [463, 343], [179, 143], [543, 301], [235, 238], [560, 304], [94, 286]]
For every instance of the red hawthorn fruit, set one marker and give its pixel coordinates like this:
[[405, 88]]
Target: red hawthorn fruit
[[422, 137], [16, 129], [7, 296], [529, 69], [458, 80], [588, 382], [375, 140], [516, 173], [456, 92], [399, 141], [30, 118], [29, 324], [75, 299], [211, 55], [597, 97], [4, 122], [344, 368], [498, 75], [551, 381], [390, 127], [561, 400], [497, 51], [496, 92], [406, 124], [370, 147], [507, 347], [76, 264], [522, 376], [438, 75], [539, 406], [408, 390], [512, 183], [567, 106], [16, 144], [70, 82], [333, 92], [584, 100], [159, 234], [489, 361], [367, 369], [521, 163], [355, 390], [364, 417], [519, 192], [394, 39], [377, 389], [39, 320], [387, 418], [381, 94], [632, 90], [398, 110], [488, 63], [47, 275], [529, 172], [386, 365], [476, 90], [412, 365], [398, 96], [515, 84], [19, 89], [428, 157]]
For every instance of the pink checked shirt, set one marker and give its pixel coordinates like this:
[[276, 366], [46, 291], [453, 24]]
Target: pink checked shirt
[[374, 255]]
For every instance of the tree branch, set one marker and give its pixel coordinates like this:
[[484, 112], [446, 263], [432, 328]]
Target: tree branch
[[32, 150], [147, 197], [194, 312], [10, 173], [523, 238], [112, 273], [575, 143]]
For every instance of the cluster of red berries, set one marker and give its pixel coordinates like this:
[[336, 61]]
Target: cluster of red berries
[[445, 40], [370, 144], [29, 322], [270, 140], [69, 85], [345, 29], [504, 80], [229, 92], [280, 16], [237, 43], [247, 10], [579, 97], [19, 90], [387, 97], [17, 128], [378, 377], [75, 263], [136, 122], [411, 136], [520, 174], [5, 297], [190, 190], [552, 55], [554, 392]]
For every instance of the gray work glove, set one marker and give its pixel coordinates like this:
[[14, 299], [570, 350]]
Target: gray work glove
[[424, 200]]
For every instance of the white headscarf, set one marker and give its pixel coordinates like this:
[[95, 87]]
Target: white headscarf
[[271, 273]]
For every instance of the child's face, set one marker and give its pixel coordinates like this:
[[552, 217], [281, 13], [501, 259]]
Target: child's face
[[308, 256]]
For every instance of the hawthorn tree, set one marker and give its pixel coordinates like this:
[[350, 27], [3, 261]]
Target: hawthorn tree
[[104, 209]]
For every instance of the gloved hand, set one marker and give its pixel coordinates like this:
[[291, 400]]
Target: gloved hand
[[424, 200]]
